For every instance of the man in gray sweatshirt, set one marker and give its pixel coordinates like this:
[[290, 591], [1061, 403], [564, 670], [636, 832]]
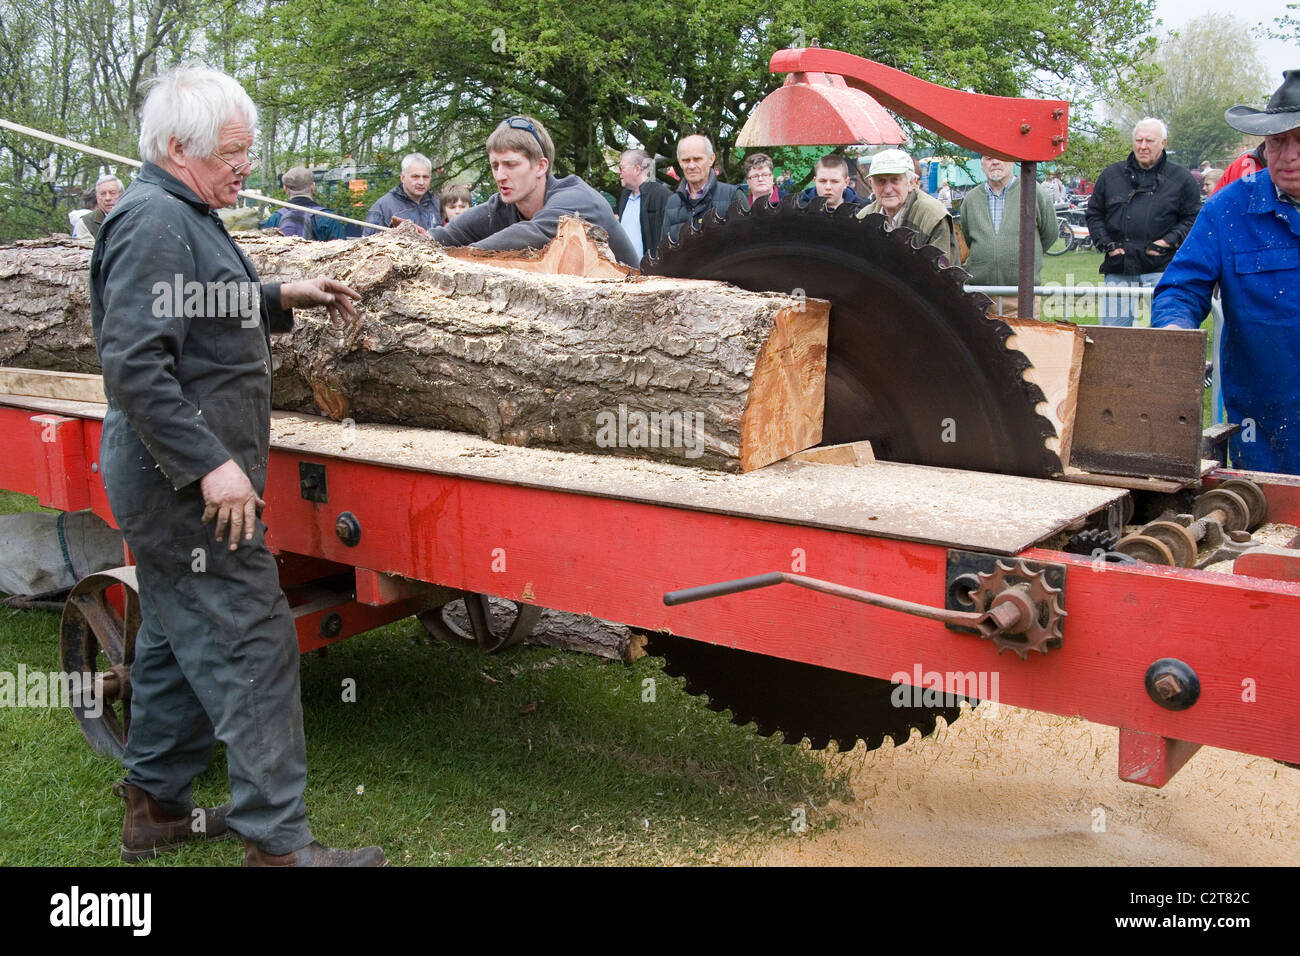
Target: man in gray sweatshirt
[[526, 211]]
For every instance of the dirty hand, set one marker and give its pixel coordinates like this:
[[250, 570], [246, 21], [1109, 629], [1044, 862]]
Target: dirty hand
[[229, 497], [336, 296]]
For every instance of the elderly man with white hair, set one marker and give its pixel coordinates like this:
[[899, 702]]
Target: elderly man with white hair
[[108, 190], [410, 199], [892, 175], [183, 456], [700, 190], [1140, 212]]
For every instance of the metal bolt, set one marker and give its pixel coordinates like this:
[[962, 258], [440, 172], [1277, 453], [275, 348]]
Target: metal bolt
[[1058, 113], [331, 625], [1168, 686], [1025, 127]]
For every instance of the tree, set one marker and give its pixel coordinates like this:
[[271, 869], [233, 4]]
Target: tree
[[602, 75], [1212, 63], [353, 77], [77, 68]]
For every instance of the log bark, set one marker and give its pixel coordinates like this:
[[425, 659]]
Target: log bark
[[698, 373]]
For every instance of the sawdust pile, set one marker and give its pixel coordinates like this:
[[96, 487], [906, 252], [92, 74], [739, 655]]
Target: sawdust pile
[[1010, 786]]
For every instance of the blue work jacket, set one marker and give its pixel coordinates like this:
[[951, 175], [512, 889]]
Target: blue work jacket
[[1247, 239]]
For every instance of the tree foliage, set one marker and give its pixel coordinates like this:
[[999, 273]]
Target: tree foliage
[[603, 75], [77, 68], [337, 78]]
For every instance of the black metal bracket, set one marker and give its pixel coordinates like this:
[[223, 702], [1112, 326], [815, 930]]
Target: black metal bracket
[[311, 482]]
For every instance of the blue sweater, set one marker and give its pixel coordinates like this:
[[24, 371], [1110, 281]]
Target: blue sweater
[[1247, 240]]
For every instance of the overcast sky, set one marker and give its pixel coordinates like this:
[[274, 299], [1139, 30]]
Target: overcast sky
[[1278, 54]]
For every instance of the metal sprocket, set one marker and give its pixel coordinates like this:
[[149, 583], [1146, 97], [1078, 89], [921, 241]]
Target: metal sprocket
[[913, 363], [796, 699]]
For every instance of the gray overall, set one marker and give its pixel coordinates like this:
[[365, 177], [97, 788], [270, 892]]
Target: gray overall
[[183, 327]]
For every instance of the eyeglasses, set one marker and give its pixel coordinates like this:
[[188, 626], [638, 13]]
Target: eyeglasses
[[518, 122], [243, 168]]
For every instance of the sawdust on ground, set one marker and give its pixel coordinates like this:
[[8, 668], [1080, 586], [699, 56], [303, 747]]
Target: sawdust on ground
[[1005, 786]]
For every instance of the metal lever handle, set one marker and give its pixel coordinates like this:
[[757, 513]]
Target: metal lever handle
[[1002, 617]]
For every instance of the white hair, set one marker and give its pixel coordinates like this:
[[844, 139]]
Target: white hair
[[1152, 121], [708, 145], [191, 102], [108, 178], [643, 160], [410, 159]]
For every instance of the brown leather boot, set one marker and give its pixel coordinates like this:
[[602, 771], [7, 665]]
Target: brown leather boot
[[313, 854], [148, 830]]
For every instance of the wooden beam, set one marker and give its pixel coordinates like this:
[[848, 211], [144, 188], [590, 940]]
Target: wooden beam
[[38, 383]]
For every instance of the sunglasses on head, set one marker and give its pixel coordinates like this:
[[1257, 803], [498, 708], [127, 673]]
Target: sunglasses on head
[[518, 122]]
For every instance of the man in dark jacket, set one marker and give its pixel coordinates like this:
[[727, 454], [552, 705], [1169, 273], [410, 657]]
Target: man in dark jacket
[[410, 199], [641, 205], [525, 213], [700, 190], [1140, 212], [181, 323]]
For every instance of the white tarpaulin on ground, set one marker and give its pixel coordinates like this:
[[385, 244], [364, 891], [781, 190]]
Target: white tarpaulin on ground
[[48, 553]]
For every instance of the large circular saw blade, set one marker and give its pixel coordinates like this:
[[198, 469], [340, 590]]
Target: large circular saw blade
[[798, 700], [913, 363]]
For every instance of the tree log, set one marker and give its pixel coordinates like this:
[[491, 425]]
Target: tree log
[[698, 373]]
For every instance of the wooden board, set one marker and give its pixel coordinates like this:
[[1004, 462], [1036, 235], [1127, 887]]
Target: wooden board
[[1160, 485], [1056, 351], [73, 386], [851, 453], [1140, 403]]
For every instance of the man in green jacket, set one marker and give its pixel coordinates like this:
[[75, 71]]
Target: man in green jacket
[[990, 220]]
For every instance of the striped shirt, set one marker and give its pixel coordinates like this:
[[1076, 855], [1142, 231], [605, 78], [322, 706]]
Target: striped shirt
[[997, 205]]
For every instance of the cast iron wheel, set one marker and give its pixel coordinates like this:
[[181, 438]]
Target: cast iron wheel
[[97, 641]]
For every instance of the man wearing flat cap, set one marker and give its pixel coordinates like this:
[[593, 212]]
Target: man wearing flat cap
[[893, 180], [1247, 239]]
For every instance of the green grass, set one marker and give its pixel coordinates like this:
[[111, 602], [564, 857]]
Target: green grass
[[584, 770]]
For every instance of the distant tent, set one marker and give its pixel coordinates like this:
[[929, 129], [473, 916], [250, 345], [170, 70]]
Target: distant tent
[[966, 173]]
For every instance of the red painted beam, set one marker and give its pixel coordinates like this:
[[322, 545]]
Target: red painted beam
[[64, 481], [1011, 127], [615, 560]]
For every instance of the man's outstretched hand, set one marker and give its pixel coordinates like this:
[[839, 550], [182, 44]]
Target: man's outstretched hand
[[334, 295], [229, 497]]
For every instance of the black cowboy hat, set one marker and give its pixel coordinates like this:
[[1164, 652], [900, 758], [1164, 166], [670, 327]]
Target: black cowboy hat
[[1280, 115]]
